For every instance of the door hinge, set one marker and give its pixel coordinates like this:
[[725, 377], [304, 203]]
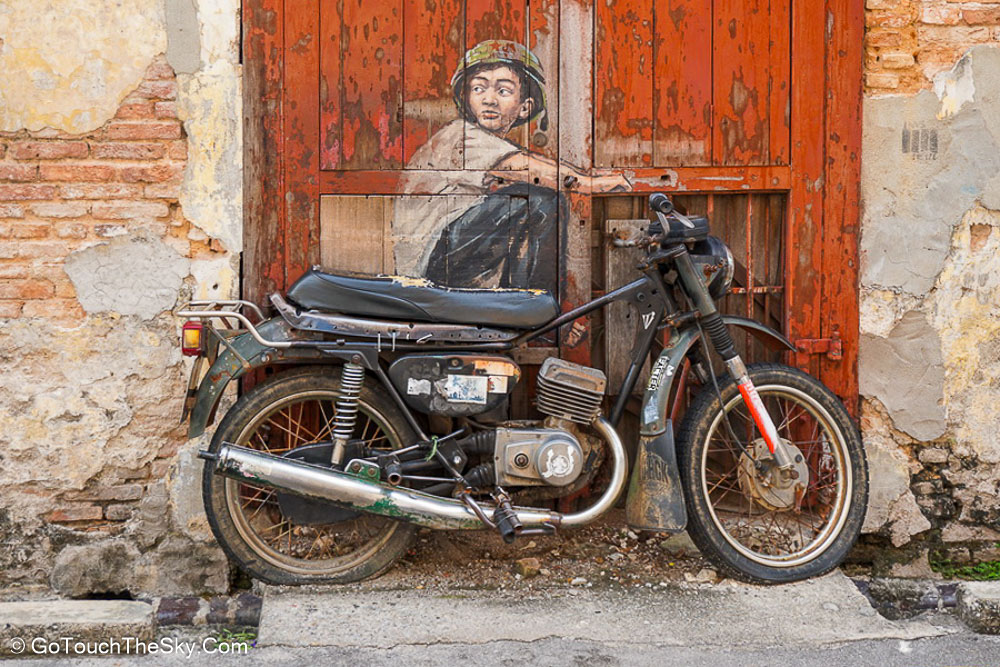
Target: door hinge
[[832, 347]]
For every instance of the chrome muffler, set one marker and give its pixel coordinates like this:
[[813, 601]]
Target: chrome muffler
[[423, 509]]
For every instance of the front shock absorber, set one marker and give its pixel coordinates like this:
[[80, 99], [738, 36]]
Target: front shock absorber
[[351, 378]]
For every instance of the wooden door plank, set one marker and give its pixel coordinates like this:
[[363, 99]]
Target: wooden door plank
[[331, 80], [621, 325], [740, 62], [433, 46], [576, 142], [623, 110], [779, 83], [263, 231], [543, 40], [682, 78], [372, 46], [805, 207], [301, 132], [498, 19], [840, 307]]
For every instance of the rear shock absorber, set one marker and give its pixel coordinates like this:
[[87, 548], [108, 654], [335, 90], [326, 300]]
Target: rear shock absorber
[[351, 378]]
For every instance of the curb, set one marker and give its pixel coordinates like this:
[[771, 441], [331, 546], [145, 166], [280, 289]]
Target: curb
[[979, 606]]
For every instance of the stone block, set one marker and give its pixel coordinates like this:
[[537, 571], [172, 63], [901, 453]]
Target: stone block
[[979, 606], [82, 620]]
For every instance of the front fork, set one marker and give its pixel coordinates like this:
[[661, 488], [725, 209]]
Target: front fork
[[738, 371]]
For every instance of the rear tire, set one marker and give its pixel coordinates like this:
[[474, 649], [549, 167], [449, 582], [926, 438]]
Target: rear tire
[[746, 523], [283, 413]]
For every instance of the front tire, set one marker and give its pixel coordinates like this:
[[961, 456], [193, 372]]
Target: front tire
[[751, 522], [288, 411]]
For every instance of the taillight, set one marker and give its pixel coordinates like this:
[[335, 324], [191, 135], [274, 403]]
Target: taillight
[[191, 338]]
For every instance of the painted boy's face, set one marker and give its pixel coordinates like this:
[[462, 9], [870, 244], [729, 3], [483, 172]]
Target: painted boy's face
[[495, 98]]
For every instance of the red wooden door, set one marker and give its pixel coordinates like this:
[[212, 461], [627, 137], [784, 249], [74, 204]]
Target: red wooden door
[[699, 97]]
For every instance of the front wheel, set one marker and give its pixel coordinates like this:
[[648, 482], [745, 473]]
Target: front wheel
[[754, 521]]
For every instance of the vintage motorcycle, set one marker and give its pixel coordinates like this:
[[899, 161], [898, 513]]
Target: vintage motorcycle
[[392, 416]]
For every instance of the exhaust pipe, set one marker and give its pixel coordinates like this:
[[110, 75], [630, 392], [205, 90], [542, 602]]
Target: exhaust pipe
[[423, 509]]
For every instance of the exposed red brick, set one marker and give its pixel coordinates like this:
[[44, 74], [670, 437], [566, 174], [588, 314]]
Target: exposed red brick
[[76, 172], [8, 270], [881, 80], [128, 151], [178, 150], [100, 191], [11, 211], [48, 150], [64, 288], [30, 230], [160, 69], [110, 231], [152, 174], [165, 110], [18, 172], [19, 192], [35, 249], [139, 131], [981, 15], [10, 309], [135, 110], [67, 310], [896, 60], [26, 289], [161, 90], [124, 210], [169, 190], [118, 512], [115, 492], [940, 14], [75, 513], [75, 209], [4, 230], [3, 150], [71, 230], [884, 38], [8, 249]]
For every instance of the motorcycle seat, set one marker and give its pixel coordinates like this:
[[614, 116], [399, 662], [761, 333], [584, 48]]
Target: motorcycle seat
[[419, 300]]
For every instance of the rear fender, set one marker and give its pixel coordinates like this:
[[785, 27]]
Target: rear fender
[[244, 354]]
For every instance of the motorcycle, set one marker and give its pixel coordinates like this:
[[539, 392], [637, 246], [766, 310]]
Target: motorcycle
[[391, 415]]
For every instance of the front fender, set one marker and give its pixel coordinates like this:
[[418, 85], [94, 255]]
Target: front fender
[[654, 420], [244, 354]]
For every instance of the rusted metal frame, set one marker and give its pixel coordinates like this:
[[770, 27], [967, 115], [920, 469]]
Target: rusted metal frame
[[804, 216], [842, 132]]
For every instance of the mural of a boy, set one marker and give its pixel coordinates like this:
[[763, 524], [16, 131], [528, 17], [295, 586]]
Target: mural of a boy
[[494, 236]]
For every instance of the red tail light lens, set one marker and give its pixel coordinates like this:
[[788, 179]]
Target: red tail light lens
[[191, 338]]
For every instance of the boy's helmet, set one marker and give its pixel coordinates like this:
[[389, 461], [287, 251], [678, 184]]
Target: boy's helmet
[[511, 54]]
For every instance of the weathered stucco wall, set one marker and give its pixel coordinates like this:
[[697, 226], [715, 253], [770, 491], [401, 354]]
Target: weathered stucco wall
[[930, 275], [120, 197]]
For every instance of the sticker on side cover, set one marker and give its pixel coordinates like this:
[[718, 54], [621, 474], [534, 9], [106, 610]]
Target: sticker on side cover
[[415, 387], [466, 389], [498, 384]]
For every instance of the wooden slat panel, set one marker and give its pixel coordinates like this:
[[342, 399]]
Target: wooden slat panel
[[433, 46], [779, 82], [372, 47], [682, 75], [843, 155], [498, 19], [331, 91], [263, 234], [623, 110], [619, 334], [354, 233], [301, 132], [740, 63]]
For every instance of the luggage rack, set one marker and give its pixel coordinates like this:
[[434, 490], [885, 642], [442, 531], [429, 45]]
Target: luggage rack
[[226, 309]]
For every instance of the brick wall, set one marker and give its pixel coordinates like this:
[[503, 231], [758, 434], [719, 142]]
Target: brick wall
[[909, 41], [59, 193]]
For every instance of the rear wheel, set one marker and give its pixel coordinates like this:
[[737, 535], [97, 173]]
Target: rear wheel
[[281, 415], [754, 521]]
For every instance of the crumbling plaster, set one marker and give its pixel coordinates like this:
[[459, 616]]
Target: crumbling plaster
[[930, 297], [100, 401]]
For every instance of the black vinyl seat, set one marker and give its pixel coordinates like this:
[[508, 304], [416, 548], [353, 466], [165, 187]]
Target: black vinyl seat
[[418, 300]]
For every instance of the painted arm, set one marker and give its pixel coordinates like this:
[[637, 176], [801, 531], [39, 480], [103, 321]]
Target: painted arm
[[526, 166]]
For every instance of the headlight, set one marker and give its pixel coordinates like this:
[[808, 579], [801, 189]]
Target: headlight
[[713, 258]]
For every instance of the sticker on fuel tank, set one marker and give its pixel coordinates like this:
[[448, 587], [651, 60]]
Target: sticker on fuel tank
[[415, 387]]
